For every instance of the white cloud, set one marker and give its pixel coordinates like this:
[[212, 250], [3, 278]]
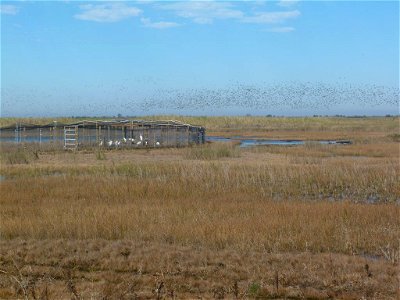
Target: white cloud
[[111, 12], [288, 3], [281, 29], [158, 25], [271, 17], [201, 12], [8, 9], [204, 12]]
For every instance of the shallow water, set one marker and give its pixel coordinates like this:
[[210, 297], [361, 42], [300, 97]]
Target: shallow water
[[251, 142], [31, 139], [244, 141]]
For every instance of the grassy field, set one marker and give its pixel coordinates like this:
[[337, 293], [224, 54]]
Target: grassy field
[[212, 221]]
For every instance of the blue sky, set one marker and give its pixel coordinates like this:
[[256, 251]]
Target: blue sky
[[63, 58]]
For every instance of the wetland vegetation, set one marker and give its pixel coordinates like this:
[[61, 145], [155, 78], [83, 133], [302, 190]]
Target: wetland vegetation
[[215, 221]]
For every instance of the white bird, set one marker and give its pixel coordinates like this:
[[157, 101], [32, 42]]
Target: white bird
[[157, 143], [145, 143], [138, 143], [124, 139], [141, 137], [101, 143], [117, 143], [110, 143]]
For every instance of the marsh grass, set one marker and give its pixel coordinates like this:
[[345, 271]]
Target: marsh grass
[[304, 207], [102, 269], [314, 221], [100, 155], [19, 156], [95, 208], [213, 151], [382, 149], [394, 137], [313, 178]]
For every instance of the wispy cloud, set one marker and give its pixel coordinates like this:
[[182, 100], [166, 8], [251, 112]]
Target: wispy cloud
[[111, 12], [8, 9], [271, 17], [200, 12], [203, 12], [281, 29], [158, 25], [288, 3]]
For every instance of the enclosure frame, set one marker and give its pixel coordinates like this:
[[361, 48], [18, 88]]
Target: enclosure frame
[[106, 134]]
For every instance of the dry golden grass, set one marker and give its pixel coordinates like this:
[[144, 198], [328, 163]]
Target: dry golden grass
[[329, 172], [103, 269], [154, 210], [312, 221], [388, 150]]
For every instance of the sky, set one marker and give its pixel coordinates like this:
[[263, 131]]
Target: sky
[[294, 58]]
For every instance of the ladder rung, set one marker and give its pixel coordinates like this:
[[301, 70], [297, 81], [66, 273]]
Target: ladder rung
[[71, 138]]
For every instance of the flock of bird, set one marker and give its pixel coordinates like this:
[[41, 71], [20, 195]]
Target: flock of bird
[[128, 141], [293, 96], [133, 100]]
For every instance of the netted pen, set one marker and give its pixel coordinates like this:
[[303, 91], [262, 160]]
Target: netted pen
[[104, 134]]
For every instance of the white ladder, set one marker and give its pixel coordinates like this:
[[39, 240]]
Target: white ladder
[[70, 137]]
